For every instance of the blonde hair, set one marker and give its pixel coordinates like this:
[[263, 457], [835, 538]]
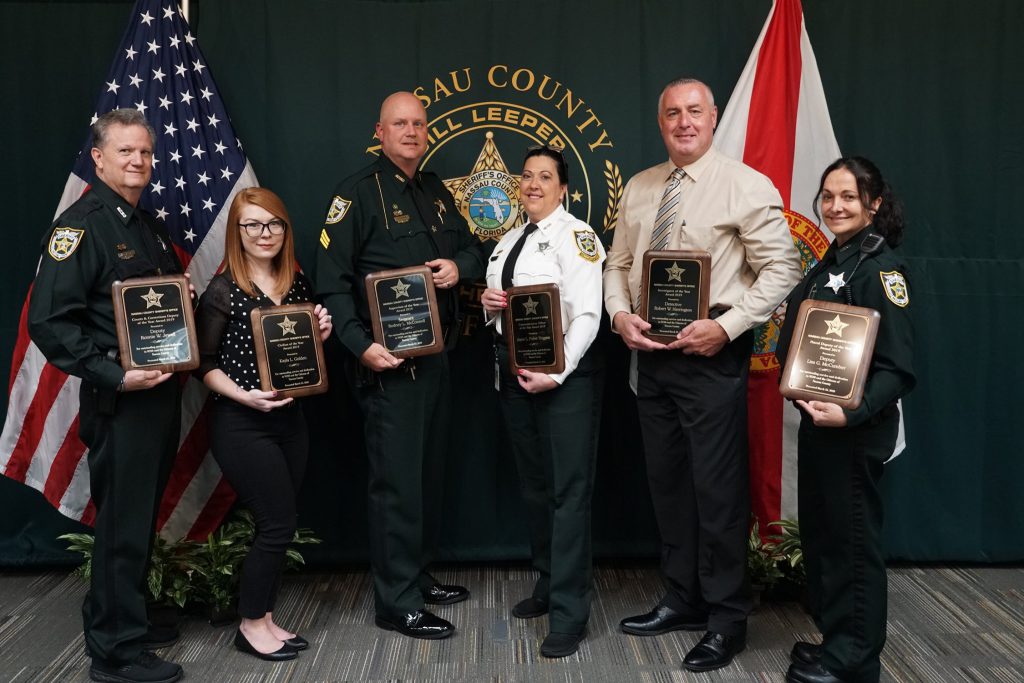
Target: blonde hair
[[234, 254]]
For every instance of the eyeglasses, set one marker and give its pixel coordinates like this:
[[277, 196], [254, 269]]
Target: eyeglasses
[[255, 228]]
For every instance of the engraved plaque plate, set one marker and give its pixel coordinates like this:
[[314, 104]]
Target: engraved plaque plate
[[155, 327], [532, 326], [674, 291], [830, 353], [289, 352], [403, 311]]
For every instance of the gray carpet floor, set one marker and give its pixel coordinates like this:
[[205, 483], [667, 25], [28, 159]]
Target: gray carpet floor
[[945, 624]]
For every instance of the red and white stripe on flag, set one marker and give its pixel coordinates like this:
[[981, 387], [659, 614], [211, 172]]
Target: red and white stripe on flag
[[777, 122], [198, 167]]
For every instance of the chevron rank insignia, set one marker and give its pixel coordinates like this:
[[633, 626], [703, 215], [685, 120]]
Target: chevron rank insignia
[[586, 242], [339, 207], [325, 239], [64, 241], [895, 286]]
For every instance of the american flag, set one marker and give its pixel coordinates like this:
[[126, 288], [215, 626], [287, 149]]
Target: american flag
[[198, 166]]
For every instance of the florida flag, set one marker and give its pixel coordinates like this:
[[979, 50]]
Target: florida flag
[[777, 122], [198, 167]]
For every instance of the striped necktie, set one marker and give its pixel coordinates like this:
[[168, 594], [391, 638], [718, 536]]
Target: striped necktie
[[667, 211]]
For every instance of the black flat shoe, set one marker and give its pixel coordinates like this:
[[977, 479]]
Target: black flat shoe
[[418, 624], [445, 595], [805, 653], [714, 651], [810, 673], [282, 654], [662, 619], [561, 644], [530, 608], [297, 643]]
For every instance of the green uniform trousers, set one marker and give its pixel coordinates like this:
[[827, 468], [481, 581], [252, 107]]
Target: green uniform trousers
[[841, 527], [406, 413], [132, 439], [553, 436]]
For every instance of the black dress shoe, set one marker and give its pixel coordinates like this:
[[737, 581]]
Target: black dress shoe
[[530, 608], [561, 644], [418, 624], [810, 673], [805, 653], [662, 619], [146, 668], [159, 636], [445, 595], [297, 643], [714, 651], [283, 653]]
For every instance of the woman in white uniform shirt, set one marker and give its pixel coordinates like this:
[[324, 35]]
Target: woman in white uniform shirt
[[552, 420]]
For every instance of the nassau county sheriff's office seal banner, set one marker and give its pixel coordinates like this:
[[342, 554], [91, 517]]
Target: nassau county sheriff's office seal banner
[[495, 79]]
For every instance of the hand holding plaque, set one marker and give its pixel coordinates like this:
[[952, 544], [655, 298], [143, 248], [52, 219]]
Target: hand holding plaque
[[532, 326], [403, 311], [830, 353], [674, 291], [289, 351], [155, 326]]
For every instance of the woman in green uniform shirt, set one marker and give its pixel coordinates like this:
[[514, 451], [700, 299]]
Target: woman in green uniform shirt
[[840, 451]]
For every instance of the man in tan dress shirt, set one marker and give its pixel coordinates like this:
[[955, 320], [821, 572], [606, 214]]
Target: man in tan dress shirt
[[692, 392]]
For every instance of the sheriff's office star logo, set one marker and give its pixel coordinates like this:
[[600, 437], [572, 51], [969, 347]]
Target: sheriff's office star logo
[[287, 326], [836, 282], [586, 242], [836, 326], [152, 299], [675, 272], [530, 306], [895, 286], [63, 242], [339, 207], [401, 289], [489, 195]]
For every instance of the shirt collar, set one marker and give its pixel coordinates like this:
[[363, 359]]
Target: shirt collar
[[391, 170], [697, 168], [122, 209], [552, 219], [851, 249]]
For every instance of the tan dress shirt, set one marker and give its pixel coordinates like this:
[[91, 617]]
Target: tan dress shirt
[[727, 209]]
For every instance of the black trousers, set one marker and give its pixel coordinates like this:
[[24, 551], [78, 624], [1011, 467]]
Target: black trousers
[[132, 439], [406, 419], [840, 507], [554, 440], [693, 416], [263, 456]]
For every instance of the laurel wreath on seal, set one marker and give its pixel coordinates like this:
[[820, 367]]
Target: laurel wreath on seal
[[614, 181]]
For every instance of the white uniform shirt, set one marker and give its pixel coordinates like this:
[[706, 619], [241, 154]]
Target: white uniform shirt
[[564, 251]]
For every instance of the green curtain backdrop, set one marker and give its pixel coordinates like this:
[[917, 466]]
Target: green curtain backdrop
[[931, 90]]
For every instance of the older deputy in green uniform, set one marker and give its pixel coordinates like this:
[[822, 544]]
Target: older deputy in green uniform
[[129, 420], [841, 452], [390, 215]]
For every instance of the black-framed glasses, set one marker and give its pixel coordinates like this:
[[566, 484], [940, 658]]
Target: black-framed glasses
[[255, 228]]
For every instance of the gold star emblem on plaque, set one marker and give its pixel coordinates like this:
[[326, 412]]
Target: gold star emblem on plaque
[[530, 306], [675, 272], [287, 326], [401, 289], [836, 326], [152, 299]]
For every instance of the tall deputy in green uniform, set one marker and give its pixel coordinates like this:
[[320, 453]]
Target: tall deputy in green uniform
[[391, 215], [129, 420], [840, 452]]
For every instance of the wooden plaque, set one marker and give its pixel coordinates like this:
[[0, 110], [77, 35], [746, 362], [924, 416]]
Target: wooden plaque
[[532, 326], [830, 353], [403, 311], [155, 326], [674, 291], [289, 351]]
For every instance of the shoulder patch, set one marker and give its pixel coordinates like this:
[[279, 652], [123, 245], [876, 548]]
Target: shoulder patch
[[895, 286], [339, 207], [64, 241], [586, 242]]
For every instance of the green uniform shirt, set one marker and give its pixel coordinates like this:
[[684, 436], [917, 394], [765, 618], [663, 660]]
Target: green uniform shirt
[[879, 283], [99, 239], [379, 220]]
